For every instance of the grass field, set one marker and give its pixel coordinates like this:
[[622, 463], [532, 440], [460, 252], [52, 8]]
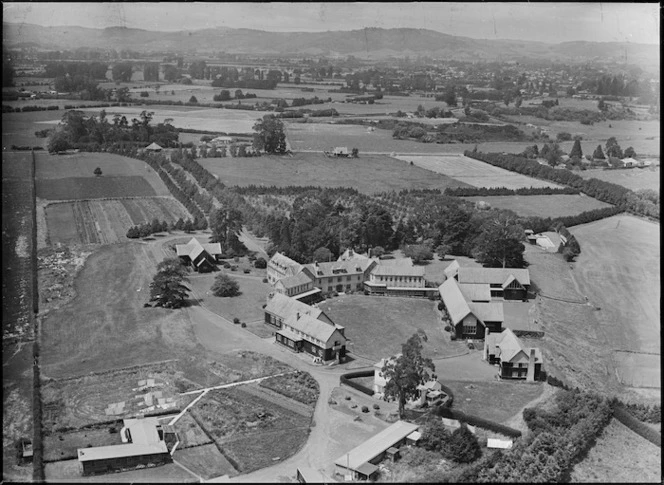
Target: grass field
[[248, 306], [633, 179], [206, 461], [495, 401], [475, 172], [378, 326], [106, 221], [19, 128], [620, 455], [70, 470], [619, 270], [555, 205], [93, 188], [367, 174], [83, 165]]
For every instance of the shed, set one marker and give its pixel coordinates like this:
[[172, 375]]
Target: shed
[[153, 147]]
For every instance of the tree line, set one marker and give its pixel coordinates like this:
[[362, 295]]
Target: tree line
[[487, 191], [156, 226], [604, 191]]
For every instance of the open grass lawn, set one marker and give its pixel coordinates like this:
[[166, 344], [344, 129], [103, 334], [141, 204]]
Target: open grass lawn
[[368, 174], [93, 188], [105, 326], [377, 326], [19, 128], [620, 455], [618, 269], [265, 449], [82, 165], [475, 172], [107, 221], [633, 178], [519, 315], [496, 401], [71, 470], [555, 205], [206, 461], [248, 306]]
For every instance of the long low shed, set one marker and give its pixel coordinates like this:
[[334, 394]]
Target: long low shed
[[361, 461]]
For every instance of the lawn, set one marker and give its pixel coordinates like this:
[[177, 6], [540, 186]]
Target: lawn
[[620, 455], [368, 174], [248, 306], [82, 165], [93, 188], [633, 178], [519, 315], [475, 172], [495, 401], [107, 221], [378, 326], [555, 205], [106, 326], [206, 461]]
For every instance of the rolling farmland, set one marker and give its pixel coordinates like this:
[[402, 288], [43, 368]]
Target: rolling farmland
[[633, 178], [77, 188], [555, 205], [106, 221], [475, 172]]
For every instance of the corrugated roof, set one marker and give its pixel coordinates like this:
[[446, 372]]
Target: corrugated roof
[[212, 248], [311, 327], [143, 431], [194, 248], [452, 269], [285, 306], [289, 334], [376, 445], [336, 268], [454, 301], [295, 280], [476, 291], [284, 262], [119, 451], [488, 312], [398, 267], [496, 276]]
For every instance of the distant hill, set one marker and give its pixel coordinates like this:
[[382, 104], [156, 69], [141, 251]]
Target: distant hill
[[372, 43]]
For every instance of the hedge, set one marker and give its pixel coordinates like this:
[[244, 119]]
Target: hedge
[[642, 429], [446, 412], [487, 191], [345, 379], [529, 333]]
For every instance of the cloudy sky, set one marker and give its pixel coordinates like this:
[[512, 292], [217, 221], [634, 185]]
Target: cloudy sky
[[546, 22]]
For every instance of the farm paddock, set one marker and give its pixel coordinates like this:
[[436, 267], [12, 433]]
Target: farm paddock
[[554, 205], [73, 188], [474, 172], [107, 221], [71, 470], [82, 165], [633, 178], [368, 174]]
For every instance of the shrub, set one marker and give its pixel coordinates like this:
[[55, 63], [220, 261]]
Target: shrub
[[243, 325], [236, 320], [365, 409], [247, 270], [441, 306], [260, 263], [448, 328], [264, 280], [225, 286], [376, 406], [564, 136], [453, 337], [347, 398]]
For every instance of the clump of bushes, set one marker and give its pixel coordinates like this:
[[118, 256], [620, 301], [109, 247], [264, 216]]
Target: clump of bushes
[[365, 409], [236, 320]]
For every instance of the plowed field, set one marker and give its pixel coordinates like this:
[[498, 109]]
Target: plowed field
[[106, 221]]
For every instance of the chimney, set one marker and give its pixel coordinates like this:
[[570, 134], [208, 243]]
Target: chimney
[[530, 375]]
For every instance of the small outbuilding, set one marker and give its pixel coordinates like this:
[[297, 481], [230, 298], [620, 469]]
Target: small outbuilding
[[153, 147]]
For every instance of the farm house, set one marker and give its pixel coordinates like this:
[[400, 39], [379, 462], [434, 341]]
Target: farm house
[[145, 443], [279, 307], [515, 360], [202, 257]]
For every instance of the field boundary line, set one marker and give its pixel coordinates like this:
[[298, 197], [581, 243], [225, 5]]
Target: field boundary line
[[636, 352], [563, 299], [128, 197], [110, 371]]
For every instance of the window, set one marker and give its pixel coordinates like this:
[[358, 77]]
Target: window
[[348, 278], [329, 288], [469, 328], [339, 279]]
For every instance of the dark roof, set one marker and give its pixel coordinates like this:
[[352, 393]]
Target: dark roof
[[496, 276]]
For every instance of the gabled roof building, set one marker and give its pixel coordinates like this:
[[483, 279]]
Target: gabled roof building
[[202, 257], [516, 361], [470, 319]]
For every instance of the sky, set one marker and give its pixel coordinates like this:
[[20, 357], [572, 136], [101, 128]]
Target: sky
[[544, 22]]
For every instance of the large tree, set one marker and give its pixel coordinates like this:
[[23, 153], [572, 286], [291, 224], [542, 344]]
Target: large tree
[[576, 150], [167, 288], [613, 148], [499, 244], [270, 136], [598, 153], [552, 154], [122, 72], [406, 372], [226, 224], [225, 286]]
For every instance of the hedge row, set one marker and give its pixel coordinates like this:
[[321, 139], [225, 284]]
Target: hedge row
[[486, 191], [446, 412], [26, 109], [642, 429], [346, 379]]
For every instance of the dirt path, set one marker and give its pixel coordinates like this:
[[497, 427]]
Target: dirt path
[[252, 243]]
